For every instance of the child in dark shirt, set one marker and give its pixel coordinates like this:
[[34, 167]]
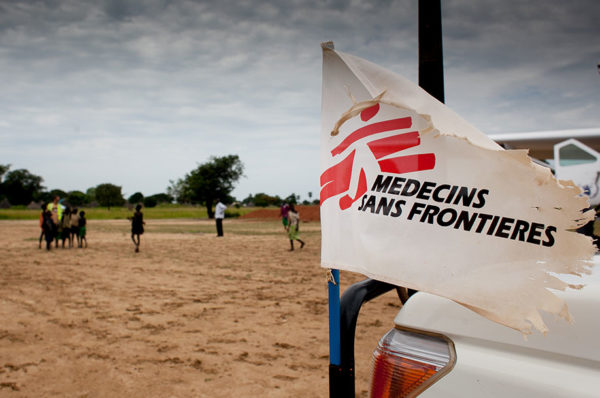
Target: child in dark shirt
[[137, 227], [48, 228], [82, 228]]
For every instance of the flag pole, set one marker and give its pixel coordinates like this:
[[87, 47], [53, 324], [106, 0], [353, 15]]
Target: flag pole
[[431, 55], [335, 361]]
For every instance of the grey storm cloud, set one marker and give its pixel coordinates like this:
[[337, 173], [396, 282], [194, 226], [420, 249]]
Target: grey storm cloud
[[125, 83]]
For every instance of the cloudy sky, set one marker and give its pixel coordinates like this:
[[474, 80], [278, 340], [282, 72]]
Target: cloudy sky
[[137, 93]]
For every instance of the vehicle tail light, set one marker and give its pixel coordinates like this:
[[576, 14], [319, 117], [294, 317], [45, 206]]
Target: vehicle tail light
[[406, 362]]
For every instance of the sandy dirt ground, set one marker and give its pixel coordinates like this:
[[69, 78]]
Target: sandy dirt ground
[[191, 315]]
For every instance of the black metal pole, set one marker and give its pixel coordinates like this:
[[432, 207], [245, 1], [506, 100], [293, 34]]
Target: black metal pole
[[431, 63], [341, 379]]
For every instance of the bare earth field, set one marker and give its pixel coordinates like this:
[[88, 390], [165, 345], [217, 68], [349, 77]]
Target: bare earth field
[[191, 315]]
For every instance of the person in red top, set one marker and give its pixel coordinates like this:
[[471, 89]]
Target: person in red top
[[283, 212]]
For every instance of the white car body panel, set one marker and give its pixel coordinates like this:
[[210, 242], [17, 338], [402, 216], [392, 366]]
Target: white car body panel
[[495, 361]]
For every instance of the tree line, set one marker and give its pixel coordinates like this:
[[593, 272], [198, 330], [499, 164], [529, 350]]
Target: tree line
[[209, 181], [263, 200], [20, 187]]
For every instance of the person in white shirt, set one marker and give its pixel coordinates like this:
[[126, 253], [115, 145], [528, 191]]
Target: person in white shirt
[[219, 216]]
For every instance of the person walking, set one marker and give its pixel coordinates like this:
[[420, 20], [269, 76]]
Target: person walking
[[219, 216], [293, 227], [137, 226]]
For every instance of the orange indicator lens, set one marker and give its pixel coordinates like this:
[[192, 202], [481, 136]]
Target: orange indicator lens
[[405, 361]]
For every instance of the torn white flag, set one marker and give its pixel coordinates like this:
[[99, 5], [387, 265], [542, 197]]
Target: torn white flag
[[414, 195]]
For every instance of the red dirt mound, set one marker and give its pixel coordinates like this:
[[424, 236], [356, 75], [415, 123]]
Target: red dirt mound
[[307, 213]]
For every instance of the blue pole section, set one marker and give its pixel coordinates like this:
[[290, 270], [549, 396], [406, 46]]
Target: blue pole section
[[334, 319]]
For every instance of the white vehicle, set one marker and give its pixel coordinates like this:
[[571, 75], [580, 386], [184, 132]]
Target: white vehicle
[[572, 154], [440, 349]]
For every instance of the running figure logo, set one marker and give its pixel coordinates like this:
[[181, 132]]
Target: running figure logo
[[336, 179]]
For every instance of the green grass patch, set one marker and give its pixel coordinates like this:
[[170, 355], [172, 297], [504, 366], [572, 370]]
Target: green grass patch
[[19, 214], [116, 213]]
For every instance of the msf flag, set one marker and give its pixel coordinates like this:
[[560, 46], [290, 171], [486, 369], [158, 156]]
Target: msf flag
[[413, 195]]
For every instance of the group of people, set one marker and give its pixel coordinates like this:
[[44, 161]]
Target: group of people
[[60, 222], [291, 223]]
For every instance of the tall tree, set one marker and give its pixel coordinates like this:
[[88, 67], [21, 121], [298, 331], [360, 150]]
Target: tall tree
[[210, 181], [109, 195], [21, 187]]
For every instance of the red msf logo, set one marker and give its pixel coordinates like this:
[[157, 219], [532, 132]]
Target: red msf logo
[[336, 179]]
